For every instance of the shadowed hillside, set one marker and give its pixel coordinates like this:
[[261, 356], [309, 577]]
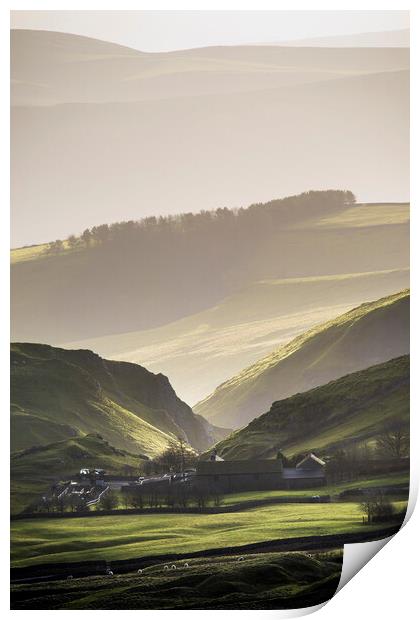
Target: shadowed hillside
[[372, 333], [35, 469], [57, 394], [347, 411]]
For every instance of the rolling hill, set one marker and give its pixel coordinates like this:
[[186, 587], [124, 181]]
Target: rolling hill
[[387, 38], [57, 394], [156, 274], [215, 344], [133, 133], [35, 469], [347, 411], [369, 334]]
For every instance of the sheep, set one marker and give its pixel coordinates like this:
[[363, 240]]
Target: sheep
[[186, 565], [109, 572], [241, 559], [173, 567], [140, 572], [166, 567], [70, 577]]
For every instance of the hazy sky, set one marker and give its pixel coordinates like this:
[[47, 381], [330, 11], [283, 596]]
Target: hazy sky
[[168, 30]]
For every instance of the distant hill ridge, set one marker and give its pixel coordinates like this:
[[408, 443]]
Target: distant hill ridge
[[137, 276], [369, 334], [57, 394]]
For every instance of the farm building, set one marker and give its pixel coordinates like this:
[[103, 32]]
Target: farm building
[[229, 476], [308, 473]]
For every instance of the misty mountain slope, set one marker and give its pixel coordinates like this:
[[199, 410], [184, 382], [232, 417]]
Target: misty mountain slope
[[133, 134], [372, 333], [201, 351], [162, 273], [56, 394], [54, 67], [344, 412], [387, 38]]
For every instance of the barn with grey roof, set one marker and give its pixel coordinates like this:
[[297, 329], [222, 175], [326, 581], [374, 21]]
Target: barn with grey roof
[[258, 474]]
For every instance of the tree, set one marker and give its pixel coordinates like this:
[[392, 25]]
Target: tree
[[72, 241], [175, 458], [136, 499], [109, 501], [54, 247], [201, 496], [394, 441], [86, 237], [376, 507]]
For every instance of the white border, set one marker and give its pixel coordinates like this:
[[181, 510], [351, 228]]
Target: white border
[[395, 571]]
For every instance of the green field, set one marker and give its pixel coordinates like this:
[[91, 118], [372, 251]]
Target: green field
[[121, 537], [264, 581], [35, 252], [332, 489]]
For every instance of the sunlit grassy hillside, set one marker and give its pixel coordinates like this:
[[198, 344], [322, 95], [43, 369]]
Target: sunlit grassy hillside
[[201, 351], [371, 333], [344, 412], [57, 394]]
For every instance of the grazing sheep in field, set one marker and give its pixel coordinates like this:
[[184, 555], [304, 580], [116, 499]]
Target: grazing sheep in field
[[70, 577], [241, 559], [109, 572], [166, 567], [139, 572], [186, 565], [173, 567]]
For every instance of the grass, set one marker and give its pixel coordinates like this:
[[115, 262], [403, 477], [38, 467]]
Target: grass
[[272, 580], [363, 215], [31, 252], [36, 252], [333, 489], [121, 537]]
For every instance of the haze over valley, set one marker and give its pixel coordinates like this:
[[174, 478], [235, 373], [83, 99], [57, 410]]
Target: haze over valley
[[104, 133]]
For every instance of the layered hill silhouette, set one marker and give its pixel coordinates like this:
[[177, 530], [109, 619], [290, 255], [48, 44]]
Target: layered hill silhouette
[[58, 394], [132, 133], [345, 412], [369, 334], [142, 276], [205, 349]]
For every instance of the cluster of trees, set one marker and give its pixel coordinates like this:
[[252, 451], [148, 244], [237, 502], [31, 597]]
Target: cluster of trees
[[175, 496], [263, 214], [389, 449], [176, 458], [376, 507], [394, 441]]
